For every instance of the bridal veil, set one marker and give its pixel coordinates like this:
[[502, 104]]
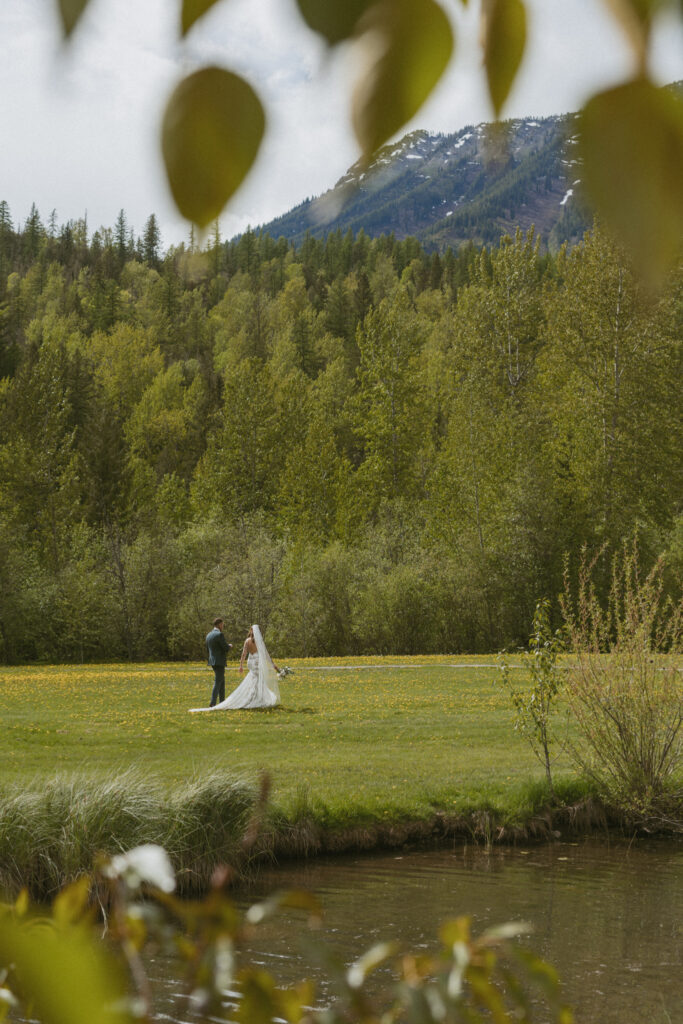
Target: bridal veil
[[266, 668]]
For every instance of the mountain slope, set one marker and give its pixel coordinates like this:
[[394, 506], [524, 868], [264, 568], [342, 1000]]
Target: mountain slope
[[476, 184]]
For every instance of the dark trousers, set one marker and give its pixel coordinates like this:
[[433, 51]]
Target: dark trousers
[[218, 694]]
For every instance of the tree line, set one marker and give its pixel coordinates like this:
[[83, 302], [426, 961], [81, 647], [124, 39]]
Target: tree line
[[364, 446]]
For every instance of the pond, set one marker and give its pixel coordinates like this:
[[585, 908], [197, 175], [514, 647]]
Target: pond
[[608, 915]]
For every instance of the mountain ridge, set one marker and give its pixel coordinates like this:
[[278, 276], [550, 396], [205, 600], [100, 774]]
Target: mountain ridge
[[446, 190]]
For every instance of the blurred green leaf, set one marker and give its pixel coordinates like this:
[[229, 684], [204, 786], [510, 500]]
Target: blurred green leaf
[[410, 43], [486, 993], [192, 11], [504, 42], [635, 18], [544, 974], [641, 11], [71, 903], [215, 912], [22, 903], [334, 19], [136, 930], [71, 11], [292, 1003], [211, 133], [516, 993], [631, 144], [67, 979], [455, 931], [258, 1004]]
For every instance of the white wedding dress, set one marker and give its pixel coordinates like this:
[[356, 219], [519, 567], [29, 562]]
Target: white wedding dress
[[259, 688]]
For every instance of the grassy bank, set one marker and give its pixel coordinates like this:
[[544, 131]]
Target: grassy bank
[[50, 835], [359, 755]]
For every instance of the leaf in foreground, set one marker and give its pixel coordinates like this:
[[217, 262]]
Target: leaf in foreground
[[71, 11], [333, 19], [631, 143], [191, 11], [504, 41], [64, 976], [410, 44], [211, 133]]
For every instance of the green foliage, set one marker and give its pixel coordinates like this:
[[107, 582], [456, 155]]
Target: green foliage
[[534, 708], [625, 686], [57, 973], [55, 968], [327, 440], [391, 420], [607, 344]]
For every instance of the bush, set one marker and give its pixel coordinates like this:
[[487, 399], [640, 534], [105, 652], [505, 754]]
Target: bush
[[625, 686]]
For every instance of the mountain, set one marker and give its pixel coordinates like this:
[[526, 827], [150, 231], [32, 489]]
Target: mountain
[[476, 184]]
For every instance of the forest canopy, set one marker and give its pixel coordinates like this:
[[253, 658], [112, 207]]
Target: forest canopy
[[361, 445]]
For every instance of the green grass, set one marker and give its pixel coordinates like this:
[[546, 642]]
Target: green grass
[[361, 753], [372, 741]]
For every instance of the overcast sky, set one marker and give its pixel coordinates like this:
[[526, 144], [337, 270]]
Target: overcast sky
[[79, 127]]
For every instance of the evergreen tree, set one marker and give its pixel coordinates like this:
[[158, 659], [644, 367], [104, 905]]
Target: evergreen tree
[[121, 240], [151, 243], [33, 234], [216, 249]]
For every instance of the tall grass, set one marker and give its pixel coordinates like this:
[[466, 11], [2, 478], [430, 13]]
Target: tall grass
[[50, 835]]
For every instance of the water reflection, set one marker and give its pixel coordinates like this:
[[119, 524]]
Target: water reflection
[[607, 916]]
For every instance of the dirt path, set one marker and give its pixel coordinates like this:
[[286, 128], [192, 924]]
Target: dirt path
[[441, 664]]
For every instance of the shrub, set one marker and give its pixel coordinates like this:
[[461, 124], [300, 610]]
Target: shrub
[[625, 686], [534, 707]]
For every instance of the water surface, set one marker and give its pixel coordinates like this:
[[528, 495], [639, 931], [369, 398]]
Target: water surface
[[607, 915]]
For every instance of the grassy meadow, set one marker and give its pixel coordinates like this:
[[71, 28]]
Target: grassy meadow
[[364, 753], [356, 740]]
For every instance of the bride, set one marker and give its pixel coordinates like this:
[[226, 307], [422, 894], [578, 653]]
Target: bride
[[259, 688]]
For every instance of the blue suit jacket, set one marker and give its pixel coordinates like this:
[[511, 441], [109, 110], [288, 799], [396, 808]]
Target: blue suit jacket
[[217, 646]]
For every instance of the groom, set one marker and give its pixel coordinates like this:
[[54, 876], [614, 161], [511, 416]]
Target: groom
[[218, 647]]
